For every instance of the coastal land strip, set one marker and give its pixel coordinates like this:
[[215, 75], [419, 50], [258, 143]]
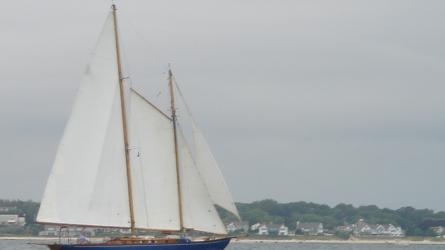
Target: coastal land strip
[[271, 241]]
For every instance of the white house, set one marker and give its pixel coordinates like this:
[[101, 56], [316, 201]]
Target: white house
[[237, 226], [255, 227], [263, 230], [345, 228], [390, 229], [283, 230], [12, 219], [362, 228], [230, 228], [273, 229], [438, 230], [8, 209], [310, 228]]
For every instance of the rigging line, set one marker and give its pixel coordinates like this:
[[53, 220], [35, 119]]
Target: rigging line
[[128, 70], [128, 76], [143, 39], [141, 166], [187, 108]]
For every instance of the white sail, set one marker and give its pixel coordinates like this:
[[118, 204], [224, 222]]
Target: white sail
[[211, 174], [87, 184], [155, 193], [198, 210]]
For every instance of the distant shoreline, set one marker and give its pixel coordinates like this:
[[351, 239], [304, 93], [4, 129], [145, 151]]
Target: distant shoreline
[[355, 241], [276, 241]]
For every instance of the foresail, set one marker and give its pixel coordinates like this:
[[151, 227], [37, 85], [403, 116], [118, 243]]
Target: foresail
[[155, 196], [207, 165], [211, 174], [87, 184], [199, 213]]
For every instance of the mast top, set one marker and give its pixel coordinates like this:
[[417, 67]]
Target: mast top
[[170, 73]]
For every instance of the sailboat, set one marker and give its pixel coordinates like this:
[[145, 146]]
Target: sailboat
[[123, 163]]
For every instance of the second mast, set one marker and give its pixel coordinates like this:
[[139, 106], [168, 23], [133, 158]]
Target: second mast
[[175, 137]]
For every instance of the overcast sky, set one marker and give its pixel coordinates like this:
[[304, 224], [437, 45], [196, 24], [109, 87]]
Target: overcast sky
[[323, 101]]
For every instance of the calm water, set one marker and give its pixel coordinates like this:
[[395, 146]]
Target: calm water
[[23, 245]]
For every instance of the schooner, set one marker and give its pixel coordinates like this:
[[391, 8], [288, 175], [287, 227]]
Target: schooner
[[123, 163]]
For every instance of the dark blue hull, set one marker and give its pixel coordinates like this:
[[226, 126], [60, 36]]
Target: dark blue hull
[[219, 244]]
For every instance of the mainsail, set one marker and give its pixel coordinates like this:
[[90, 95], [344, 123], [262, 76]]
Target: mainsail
[[88, 185], [155, 193]]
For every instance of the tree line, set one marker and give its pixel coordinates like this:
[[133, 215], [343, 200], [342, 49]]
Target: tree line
[[415, 222]]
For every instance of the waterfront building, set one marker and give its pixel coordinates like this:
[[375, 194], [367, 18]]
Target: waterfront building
[[283, 230], [344, 229], [237, 226], [8, 209], [439, 231], [263, 230], [255, 227], [12, 219], [362, 228], [310, 228]]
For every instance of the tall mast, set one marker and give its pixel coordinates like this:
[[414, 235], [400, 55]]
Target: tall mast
[[124, 121], [175, 137]]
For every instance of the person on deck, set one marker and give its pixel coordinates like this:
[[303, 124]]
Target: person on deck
[[83, 239]]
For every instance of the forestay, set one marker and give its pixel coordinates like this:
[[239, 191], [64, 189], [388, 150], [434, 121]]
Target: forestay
[[87, 184]]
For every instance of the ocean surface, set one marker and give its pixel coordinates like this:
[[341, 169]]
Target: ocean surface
[[24, 245]]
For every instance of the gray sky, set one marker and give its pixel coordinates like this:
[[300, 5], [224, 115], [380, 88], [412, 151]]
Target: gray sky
[[324, 101]]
